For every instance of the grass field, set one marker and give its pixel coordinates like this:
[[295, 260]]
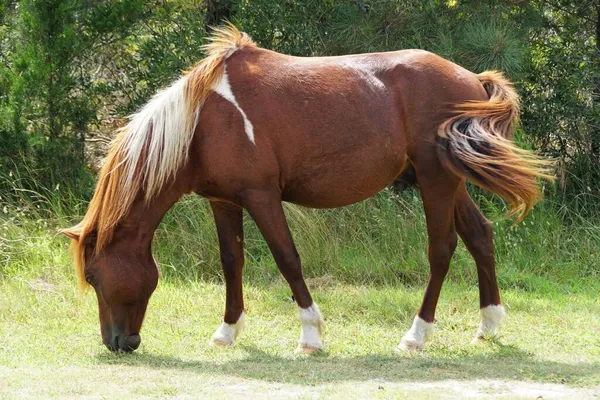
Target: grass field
[[366, 266]]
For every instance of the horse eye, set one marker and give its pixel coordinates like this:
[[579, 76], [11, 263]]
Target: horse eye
[[91, 279]]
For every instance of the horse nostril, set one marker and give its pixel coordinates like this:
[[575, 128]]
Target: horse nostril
[[113, 344], [130, 343]]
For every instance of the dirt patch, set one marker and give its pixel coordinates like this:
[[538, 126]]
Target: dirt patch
[[485, 388]]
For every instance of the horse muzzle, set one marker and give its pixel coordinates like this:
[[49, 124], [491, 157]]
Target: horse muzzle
[[124, 343]]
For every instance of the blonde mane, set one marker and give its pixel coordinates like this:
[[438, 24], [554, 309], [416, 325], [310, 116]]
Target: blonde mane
[[152, 147]]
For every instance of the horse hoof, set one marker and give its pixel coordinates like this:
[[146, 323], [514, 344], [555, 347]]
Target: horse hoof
[[479, 340], [307, 349], [219, 343], [484, 339], [409, 347]]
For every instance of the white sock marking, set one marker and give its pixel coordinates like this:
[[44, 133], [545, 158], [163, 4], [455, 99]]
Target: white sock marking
[[416, 335], [226, 333], [312, 327], [491, 319], [224, 89]]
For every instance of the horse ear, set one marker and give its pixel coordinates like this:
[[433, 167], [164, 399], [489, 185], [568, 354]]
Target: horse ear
[[73, 233]]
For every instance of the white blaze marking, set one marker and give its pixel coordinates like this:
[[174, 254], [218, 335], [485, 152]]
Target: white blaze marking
[[491, 319], [312, 326], [226, 333], [416, 335], [224, 89]]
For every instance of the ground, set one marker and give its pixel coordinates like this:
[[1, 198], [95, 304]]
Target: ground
[[50, 345]]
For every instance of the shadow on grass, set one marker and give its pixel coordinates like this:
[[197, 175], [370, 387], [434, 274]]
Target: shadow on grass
[[508, 363]]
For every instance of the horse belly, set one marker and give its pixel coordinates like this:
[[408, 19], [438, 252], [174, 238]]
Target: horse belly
[[346, 179]]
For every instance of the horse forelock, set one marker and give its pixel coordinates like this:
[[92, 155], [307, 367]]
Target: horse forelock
[[152, 147]]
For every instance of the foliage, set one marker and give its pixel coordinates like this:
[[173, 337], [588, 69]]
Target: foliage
[[47, 78], [381, 241], [69, 69], [561, 91]]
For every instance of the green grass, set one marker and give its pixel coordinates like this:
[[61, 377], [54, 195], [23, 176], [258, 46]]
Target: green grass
[[49, 336], [367, 269]]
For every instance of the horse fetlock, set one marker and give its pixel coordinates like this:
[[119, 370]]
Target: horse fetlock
[[312, 323], [491, 320], [226, 334], [416, 336]]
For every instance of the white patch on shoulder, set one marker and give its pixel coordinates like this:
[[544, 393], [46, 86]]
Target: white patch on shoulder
[[417, 335], [226, 334], [491, 319], [224, 89], [365, 70], [312, 329]]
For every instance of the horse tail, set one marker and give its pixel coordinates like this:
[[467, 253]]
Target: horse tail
[[476, 144]]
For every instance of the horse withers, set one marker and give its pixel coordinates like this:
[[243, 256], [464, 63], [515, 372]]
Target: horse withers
[[248, 128]]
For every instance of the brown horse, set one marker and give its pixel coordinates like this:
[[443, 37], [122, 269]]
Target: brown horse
[[248, 128]]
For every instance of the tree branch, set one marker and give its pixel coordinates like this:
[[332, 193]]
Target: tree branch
[[571, 13]]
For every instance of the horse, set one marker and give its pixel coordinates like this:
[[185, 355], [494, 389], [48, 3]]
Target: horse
[[249, 128]]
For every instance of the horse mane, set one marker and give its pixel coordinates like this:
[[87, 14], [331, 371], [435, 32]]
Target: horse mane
[[152, 147]]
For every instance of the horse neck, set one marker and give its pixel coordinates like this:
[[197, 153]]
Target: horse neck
[[144, 217]]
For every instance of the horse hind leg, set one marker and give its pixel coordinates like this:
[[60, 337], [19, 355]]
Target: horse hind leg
[[438, 191], [228, 219], [476, 232]]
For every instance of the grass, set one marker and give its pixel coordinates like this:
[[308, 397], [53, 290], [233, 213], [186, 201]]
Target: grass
[[49, 337], [367, 269]]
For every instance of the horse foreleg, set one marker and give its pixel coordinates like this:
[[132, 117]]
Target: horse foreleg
[[476, 232], [438, 191], [228, 219], [267, 211]]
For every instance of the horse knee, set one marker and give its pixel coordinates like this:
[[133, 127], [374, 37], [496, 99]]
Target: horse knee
[[232, 263], [289, 258], [289, 263]]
